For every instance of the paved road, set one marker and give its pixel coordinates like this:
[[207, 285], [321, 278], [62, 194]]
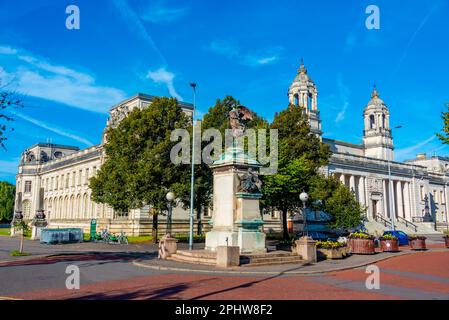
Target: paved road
[[111, 276]]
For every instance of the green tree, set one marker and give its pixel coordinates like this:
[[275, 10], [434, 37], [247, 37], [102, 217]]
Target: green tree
[[8, 100], [138, 170], [301, 154], [338, 201], [444, 135], [7, 193]]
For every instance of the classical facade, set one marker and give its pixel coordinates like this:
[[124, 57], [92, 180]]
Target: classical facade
[[413, 195]]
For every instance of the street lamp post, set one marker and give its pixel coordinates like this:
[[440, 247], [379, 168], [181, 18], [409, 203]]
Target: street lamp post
[[170, 197], [304, 197], [390, 189], [192, 180]]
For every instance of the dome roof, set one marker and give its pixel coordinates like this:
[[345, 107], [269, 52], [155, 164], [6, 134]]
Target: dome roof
[[302, 79], [375, 100]]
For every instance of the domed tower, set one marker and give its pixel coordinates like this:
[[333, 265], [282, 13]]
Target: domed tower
[[377, 138], [303, 93]]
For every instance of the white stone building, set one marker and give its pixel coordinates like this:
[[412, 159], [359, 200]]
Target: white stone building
[[55, 177]]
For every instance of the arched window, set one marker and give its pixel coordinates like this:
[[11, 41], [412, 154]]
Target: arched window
[[372, 121]]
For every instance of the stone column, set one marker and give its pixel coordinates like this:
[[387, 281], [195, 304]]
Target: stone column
[[361, 191], [399, 199], [342, 178], [407, 214], [385, 198], [352, 183]]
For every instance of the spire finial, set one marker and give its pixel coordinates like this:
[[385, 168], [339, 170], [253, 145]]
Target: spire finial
[[302, 68], [374, 94]]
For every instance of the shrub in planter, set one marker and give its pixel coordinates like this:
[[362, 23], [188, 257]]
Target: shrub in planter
[[361, 243], [331, 250], [389, 243], [417, 242]]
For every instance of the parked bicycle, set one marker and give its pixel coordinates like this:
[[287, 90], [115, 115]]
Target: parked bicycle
[[111, 238]]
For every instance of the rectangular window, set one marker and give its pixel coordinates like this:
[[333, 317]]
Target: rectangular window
[[80, 175], [86, 181], [61, 183], [67, 178], [52, 183], [27, 186]]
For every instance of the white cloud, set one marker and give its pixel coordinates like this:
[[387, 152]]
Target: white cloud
[[163, 76], [158, 13], [52, 128], [231, 50], [343, 93], [38, 77], [409, 152], [7, 50], [135, 24], [9, 167]]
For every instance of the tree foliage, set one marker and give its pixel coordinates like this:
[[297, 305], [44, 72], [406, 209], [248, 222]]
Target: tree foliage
[[8, 100], [444, 135], [7, 193], [338, 201], [138, 170], [301, 154]]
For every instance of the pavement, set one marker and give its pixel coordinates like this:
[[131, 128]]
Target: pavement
[[116, 274]]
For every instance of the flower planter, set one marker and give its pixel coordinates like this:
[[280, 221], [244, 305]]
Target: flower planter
[[446, 241], [389, 245], [335, 253], [417, 244], [362, 246]]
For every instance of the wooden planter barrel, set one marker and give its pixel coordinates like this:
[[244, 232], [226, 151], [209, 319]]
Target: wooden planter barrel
[[362, 246], [389, 245], [446, 241], [417, 244]]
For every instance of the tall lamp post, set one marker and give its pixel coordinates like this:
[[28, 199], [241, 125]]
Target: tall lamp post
[[304, 197], [390, 189], [192, 180], [170, 197]]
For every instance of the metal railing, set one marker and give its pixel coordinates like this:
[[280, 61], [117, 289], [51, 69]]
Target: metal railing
[[383, 220], [408, 224]]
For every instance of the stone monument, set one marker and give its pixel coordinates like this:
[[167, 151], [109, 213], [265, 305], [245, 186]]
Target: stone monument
[[237, 190]]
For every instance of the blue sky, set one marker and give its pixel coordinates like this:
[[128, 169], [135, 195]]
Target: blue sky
[[249, 49]]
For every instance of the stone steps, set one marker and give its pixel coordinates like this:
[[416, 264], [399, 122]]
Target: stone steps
[[277, 257], [195, 256]]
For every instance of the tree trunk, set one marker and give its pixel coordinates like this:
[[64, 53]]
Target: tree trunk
[[284, 224], [21, 243], [198, 218], [154, 229]]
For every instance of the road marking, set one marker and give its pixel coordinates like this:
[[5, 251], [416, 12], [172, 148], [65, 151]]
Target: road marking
[[9, 298]]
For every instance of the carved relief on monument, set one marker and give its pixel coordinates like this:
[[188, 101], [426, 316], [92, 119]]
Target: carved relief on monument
[[374, 185]]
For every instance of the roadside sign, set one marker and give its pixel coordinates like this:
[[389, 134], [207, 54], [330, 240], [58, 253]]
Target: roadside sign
[[93, 229]]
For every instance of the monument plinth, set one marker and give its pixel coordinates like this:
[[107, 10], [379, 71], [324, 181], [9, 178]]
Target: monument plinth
[[236, 219]]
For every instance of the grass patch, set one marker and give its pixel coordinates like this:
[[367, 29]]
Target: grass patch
[[140, 239], [16, 253], [5, 232]]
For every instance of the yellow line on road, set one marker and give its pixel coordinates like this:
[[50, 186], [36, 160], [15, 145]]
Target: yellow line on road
[[9, 298]]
